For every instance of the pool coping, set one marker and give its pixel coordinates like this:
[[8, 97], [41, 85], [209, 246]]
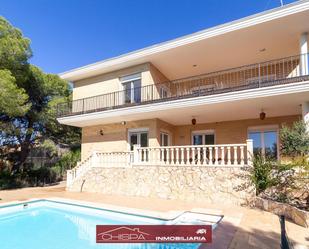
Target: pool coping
[[169, 215]]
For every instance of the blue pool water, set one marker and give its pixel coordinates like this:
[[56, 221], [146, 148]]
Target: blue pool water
[[53, 225]]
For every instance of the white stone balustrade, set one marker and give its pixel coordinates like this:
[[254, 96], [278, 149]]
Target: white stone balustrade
[[190, 155], [114, 159], [199, 155], [99, 159]]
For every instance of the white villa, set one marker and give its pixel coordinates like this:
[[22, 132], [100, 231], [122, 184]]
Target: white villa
[[182, 119]]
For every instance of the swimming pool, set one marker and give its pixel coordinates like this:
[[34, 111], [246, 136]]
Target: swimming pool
[[58, 225]]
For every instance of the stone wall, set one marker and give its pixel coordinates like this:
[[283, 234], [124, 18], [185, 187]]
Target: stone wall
[[210, 184], [300, 217]]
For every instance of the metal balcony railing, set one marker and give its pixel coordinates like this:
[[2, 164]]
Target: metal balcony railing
[[270, 73]]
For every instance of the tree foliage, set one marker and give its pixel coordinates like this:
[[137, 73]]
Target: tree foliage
[[13, 100], [67, 161], [14, 49], [28, 99]]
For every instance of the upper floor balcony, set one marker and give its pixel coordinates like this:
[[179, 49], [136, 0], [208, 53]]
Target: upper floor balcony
[[276, 72]]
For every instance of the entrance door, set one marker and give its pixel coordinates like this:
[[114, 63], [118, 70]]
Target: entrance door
[[265, 141]]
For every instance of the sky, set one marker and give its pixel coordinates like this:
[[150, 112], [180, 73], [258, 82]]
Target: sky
[[67, 34]]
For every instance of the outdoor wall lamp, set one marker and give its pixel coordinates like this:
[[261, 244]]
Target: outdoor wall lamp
[[123, 122], [262, 115], [193, 121]]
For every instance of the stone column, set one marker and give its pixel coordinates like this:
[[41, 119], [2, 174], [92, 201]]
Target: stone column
[[249, 152], [136, 157], [305, 113], [95, 159], [69, 178], [303, 45]]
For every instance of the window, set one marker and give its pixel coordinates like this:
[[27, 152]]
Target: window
[[139, 137], [132, 88], [164, 139], [265, 141], [203, 137]]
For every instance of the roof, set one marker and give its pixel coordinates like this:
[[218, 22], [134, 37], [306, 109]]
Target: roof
[[148, 53]]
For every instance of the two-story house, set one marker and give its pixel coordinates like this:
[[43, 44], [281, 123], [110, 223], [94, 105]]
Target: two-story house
[[210, 99]]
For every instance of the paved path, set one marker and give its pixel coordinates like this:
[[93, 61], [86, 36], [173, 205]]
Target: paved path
[[241, 228]]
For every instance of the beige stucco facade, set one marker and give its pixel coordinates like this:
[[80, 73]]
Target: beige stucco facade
[[115, 136], [230, 132], [111, 82]]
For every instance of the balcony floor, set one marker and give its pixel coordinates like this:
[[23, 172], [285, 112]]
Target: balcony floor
[[280, 100]]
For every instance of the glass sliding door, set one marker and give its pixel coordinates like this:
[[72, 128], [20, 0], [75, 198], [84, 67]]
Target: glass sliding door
[[132, 88], [270, 144], [265, 142], [144, 139], [203, 138], [141, 139], [209, 139], [257, 142], [206, 137], [198, 139], [136, 86], [133, 137], [138, 138], [127, 92], [164, 139]]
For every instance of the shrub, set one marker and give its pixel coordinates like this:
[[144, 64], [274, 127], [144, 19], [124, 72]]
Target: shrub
[[294, 140], [261, 174], [40, 176], [8, 180], [67, 161]]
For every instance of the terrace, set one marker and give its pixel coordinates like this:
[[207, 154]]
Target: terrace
[[276, 72]]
